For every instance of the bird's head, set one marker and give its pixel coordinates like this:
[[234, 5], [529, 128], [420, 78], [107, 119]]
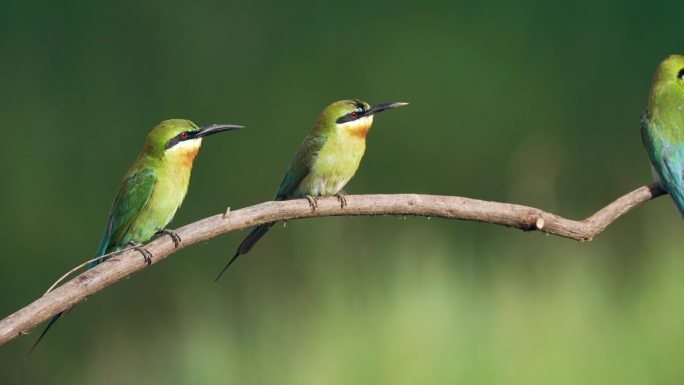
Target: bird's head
[[181, 138], [351, 117], [668, 80]]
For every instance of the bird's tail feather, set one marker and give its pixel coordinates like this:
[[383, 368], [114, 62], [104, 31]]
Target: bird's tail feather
[[52, 322], [101, 251], [247, 244]]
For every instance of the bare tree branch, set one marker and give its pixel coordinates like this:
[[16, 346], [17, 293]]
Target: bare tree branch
[[450, 207]]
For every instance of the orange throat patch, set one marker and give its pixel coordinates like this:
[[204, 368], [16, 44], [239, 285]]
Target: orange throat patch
[[358, 128], [360, 132], [184, 153]]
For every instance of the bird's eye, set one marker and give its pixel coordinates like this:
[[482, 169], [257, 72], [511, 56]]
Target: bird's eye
[[680, 75], [354, 114], [184, 135]]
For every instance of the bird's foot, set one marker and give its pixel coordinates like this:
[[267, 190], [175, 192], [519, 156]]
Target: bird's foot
[[343, 200], [147, 256], [174, 236], [313, 202]]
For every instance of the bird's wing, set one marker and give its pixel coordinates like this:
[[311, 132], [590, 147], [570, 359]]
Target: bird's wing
[[667, 157], [133, 194], [300, 166]]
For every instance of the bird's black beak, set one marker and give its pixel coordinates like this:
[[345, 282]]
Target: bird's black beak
[[383, 107], [215, 129]]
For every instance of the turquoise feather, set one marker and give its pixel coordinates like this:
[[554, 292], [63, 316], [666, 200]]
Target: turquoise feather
[[662, 128]]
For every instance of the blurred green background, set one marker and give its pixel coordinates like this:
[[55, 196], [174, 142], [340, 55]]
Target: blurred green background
[[536, 103]]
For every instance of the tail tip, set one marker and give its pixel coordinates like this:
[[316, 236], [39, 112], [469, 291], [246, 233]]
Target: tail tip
[[237, 254]]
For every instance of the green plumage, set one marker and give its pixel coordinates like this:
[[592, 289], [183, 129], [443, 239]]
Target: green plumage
[[153, 188], [326, 160], [134, 193], [300, 167]]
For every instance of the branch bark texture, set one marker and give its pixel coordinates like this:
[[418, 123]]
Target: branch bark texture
[[449, 207]]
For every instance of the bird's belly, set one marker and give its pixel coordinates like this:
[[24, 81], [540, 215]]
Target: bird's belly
[[150, 221], [331, 173], [321, 185], [159, 210]]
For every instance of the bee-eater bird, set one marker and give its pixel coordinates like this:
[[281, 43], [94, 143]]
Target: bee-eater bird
[[662, 128], [326, 160], [152, 190]]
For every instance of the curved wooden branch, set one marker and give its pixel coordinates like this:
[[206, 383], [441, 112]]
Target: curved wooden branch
[[130, 261]]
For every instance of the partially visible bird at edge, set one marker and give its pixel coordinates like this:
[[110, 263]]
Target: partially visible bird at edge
[[662, 128]]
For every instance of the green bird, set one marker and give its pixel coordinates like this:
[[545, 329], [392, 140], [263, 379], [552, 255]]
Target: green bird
[[152, 190], [662, 128], [326, 160]]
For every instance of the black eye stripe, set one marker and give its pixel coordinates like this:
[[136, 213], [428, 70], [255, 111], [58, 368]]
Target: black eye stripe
[[179, 138], [172, 142], [353, 115], [680, 75]]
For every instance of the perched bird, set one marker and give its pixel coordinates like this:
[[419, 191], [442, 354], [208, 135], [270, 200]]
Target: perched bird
[[662, 128], [152, 190], [326, 160]]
